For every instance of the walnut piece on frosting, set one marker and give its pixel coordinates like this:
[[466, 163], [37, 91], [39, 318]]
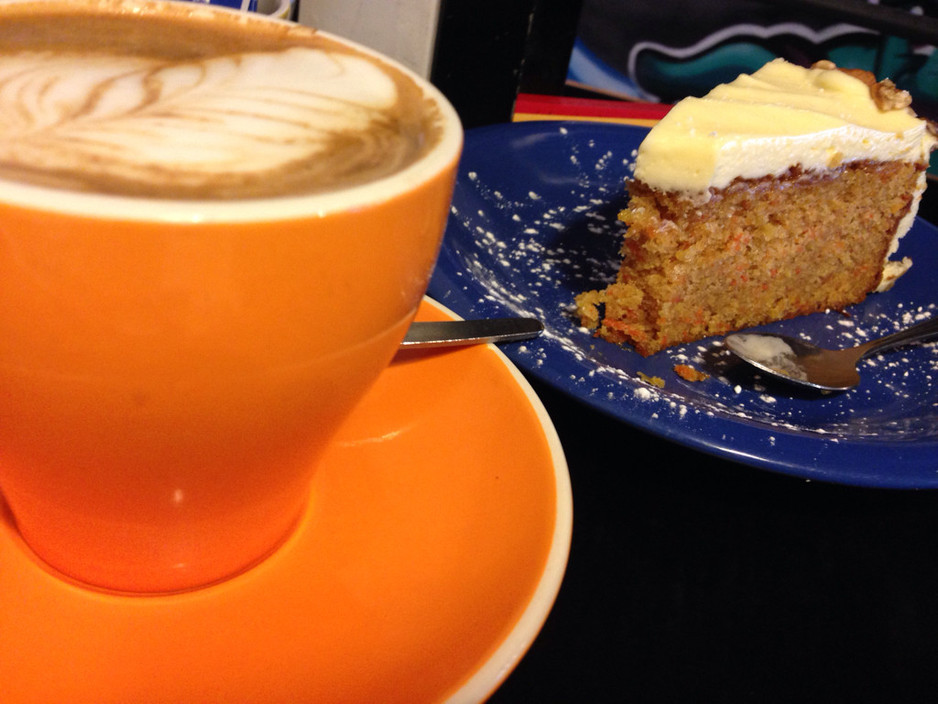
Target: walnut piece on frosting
[[888, 97], [884, 93]]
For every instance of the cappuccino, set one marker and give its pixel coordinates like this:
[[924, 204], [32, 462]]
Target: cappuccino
[[171, 101]]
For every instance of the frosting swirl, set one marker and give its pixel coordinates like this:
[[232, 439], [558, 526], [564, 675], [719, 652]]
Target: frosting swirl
[[763, 124]]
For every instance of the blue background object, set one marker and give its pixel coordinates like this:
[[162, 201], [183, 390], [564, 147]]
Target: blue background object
[[245, 5]]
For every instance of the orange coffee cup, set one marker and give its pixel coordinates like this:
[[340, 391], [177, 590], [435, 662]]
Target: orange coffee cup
[[171, 367]]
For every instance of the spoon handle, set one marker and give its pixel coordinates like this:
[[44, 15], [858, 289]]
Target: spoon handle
[[916, 333], [451, 333]]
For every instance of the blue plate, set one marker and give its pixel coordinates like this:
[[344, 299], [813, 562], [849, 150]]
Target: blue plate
[[534, 223]]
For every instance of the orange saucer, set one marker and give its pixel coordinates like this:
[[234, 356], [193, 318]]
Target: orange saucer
[[431, 552]]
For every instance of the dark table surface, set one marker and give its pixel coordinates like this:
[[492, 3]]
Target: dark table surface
[[695, 579]]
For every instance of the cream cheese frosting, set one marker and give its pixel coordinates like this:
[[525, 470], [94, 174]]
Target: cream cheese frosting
[[762, 124]]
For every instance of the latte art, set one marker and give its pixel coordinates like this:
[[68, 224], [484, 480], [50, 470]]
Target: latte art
[[249, 124]]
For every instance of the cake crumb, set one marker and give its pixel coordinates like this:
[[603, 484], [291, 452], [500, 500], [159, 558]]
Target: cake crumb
[[688, 373], [653, 380]]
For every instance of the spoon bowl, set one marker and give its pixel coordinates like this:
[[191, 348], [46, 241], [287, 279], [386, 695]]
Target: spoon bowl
[[801, 362]]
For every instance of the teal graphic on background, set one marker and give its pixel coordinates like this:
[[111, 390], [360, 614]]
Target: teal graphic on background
[[667, 50]]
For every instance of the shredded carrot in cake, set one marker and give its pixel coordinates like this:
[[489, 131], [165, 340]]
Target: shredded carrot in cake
[[758, 251]]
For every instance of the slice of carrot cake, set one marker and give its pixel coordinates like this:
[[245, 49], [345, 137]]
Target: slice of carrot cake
[[782, 193]]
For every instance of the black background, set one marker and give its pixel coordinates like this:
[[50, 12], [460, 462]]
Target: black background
[[693, 579]]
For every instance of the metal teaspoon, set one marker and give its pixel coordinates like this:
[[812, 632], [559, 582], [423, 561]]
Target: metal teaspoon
[[802, 363], [451, 333]]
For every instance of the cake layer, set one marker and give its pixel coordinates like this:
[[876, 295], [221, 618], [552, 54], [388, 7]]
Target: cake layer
[[760, 250]]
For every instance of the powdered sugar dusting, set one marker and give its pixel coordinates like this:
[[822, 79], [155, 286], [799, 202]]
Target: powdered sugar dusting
[[526, 241]]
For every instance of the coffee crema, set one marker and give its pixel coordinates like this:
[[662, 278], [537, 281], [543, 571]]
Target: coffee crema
[[175, 101]]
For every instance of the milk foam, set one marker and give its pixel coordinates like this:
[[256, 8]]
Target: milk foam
[[153, 125]]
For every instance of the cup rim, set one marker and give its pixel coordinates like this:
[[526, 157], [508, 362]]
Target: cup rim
[[203, 211]]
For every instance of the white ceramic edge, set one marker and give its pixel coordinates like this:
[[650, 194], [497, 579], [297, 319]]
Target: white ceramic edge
[[487, 678], [170, 210]]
